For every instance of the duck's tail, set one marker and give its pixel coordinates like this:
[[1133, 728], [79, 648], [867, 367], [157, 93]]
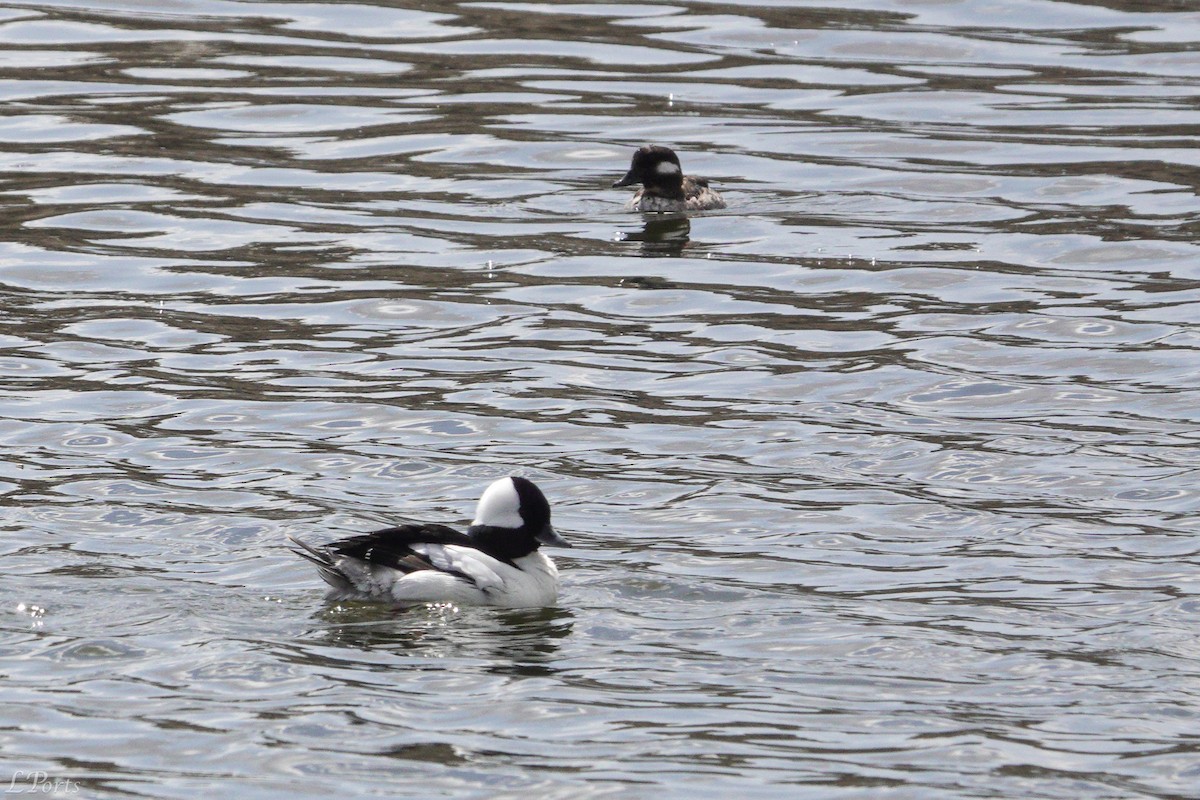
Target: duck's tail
[[326, 565]]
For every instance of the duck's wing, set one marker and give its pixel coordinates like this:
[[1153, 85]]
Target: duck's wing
[[430, 556], [399, 547], [368, 564]]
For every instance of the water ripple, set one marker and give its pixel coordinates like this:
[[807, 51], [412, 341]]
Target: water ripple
[[880, 480]]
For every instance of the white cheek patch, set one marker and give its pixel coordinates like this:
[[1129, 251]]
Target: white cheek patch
[[500, 506], [666, 168]]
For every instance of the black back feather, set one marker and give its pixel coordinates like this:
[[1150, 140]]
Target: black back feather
[[392, 547]]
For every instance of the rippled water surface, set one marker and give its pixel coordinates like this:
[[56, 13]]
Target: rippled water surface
[[882, 481]]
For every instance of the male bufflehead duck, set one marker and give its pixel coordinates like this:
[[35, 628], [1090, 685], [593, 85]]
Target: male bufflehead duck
[[495, 563], [664, 186]]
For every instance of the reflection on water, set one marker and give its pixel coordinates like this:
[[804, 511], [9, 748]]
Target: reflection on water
[[516, 641], [662, 234], [881, 479]]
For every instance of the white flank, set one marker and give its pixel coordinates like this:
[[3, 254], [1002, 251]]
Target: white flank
[[431, 586], [533, 582], [454, 558]]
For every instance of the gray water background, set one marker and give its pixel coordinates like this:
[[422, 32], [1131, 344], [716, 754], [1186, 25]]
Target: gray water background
[[882, 482]]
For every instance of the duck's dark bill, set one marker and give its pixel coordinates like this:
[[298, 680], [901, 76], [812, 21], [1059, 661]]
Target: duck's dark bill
[[628, 180], [550, 536]]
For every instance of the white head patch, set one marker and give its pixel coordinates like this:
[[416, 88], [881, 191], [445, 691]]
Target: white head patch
[[500, 506], [666, 168]]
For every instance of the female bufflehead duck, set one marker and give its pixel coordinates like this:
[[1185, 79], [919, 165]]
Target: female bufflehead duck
[[664, 186], [495, 563]]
